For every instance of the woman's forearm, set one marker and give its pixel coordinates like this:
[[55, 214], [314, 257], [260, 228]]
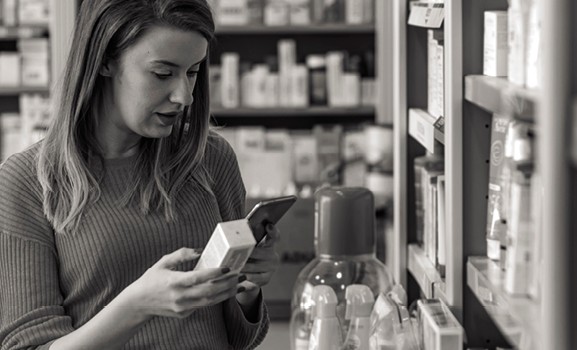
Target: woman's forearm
[[110, 329]]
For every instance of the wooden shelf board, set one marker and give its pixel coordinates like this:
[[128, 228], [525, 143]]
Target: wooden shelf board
[[423, 270], [292, 112], [518, 318], [17, 90], [498, 95], [295, 29], [422, 129]]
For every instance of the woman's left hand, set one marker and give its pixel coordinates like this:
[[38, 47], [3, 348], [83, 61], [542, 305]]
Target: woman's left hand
[[261, 265]]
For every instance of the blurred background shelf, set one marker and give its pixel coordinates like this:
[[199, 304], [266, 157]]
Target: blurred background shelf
[[518, 318], [498, 95], [422, 128], [423, 270], [17, 90], [21, 32], [328, 112], [294, 29]]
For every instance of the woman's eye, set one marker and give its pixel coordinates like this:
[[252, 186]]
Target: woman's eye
[[162, 75]]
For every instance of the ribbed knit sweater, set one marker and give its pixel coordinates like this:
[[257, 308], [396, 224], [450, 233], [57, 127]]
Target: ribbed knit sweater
[[51, 284]]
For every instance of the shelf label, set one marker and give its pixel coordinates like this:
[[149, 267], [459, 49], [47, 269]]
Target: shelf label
[[427, 14], [422, 128]]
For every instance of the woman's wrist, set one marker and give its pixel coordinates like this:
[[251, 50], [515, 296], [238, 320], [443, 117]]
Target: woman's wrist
[[249, 302]]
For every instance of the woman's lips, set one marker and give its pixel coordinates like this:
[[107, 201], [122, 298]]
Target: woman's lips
[[167, 119]]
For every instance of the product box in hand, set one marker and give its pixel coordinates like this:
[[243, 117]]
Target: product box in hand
[[229, 246], [441, 330]]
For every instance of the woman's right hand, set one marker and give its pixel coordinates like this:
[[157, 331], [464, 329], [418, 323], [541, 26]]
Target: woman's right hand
[[162, 291]]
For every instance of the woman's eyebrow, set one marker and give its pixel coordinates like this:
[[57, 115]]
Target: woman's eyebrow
[[175, 65]]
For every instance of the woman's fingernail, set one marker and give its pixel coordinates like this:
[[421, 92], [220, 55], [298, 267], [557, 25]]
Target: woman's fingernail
[[225, 270], [240, 289], [269, 227], [241, 278]]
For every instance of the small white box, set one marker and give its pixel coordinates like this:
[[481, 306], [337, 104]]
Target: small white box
[[10, 67], [441, 330], [495, 52], [229, 246], [232, 12], [230, 80]]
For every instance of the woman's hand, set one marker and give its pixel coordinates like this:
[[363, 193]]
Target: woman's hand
[[161, 291], [261, 265]]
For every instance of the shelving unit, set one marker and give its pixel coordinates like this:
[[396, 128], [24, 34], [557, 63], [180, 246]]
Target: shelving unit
[[498, 95], [296, 29], [422, 270], [14, 33], [17, 90], [473, 286], [327, 112], [518, 318]]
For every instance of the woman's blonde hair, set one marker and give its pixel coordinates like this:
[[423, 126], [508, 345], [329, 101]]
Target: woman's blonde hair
[[104, 30]]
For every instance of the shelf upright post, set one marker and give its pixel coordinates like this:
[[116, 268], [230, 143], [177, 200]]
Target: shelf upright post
[[61, 30], [384, 70], [400, 125], [553, 156], [454, 151]]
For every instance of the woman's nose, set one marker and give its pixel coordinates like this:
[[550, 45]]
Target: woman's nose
[[182, 92]]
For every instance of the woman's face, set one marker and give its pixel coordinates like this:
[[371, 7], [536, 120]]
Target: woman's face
[[150, 84]]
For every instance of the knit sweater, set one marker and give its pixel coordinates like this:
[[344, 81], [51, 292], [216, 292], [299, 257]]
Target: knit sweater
[[51, 284]]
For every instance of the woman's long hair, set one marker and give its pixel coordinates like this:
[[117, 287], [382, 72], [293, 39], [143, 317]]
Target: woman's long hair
[[104, 30]]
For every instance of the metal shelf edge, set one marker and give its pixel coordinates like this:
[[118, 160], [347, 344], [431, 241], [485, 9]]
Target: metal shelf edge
[[517, 317]]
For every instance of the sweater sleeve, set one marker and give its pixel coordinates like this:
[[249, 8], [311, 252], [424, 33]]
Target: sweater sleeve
[[231, 195], [32, 315]]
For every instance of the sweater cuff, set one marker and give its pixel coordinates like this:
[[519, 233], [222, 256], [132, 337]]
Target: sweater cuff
[[242, 333]]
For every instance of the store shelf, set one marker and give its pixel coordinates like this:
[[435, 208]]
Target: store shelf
[[13, 33], [293, 112], [423, 270], [518, 318], [14, 91], [498, 95], [293, 29], [423, 128]]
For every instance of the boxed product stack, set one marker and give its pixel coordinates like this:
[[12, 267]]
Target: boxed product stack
[[429, 203], [336, 79], [302, 160], [293, 12]]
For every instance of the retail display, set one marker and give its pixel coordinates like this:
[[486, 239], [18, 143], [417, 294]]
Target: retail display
[[344, 255]]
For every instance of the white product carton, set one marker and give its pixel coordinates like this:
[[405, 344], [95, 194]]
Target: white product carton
[[276, 12], [335, 72], [299, 12], [287, 61], [517, 24], [495, 50], [10, 68], [229, 246], [230, 93], [300, 86], [354, 11], [232, 12]]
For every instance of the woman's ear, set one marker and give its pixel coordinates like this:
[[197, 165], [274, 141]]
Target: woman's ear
[[107, 68]]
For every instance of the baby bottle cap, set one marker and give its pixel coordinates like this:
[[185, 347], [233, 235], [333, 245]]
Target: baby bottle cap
[[344, 221], [360, 300], [325, 302]]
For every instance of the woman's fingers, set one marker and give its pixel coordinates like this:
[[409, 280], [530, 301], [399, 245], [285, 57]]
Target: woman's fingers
[[196, 277], [182, 255]]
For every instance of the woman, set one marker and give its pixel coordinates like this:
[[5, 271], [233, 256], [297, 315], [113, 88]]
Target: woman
[[101, 222]]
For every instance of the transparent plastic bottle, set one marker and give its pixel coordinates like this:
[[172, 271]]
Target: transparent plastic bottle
[[345, 254]]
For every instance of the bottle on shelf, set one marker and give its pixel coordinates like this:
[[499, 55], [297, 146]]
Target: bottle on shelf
[[345, 254]]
